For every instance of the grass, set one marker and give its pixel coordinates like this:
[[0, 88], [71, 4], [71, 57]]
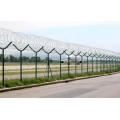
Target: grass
[[40, 70], [27, 81]]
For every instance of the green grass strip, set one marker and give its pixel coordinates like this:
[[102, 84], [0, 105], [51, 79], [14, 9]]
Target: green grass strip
[[30, 81]]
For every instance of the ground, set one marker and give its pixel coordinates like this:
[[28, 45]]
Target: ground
[[12, 70], [100, 87]]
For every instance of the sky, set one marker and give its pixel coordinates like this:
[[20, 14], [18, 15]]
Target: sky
[[89, 22], [106, 36]]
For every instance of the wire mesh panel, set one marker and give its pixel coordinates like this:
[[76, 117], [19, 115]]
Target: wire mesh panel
[[64, 64], [30, 56]]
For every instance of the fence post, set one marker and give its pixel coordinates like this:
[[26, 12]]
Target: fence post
[[48, 61], [60, 65], [20, 58], [106, 63], [69, 61], [87, 64], [3, 63], [96, 64], [92, 64], [75, 64], [68, 66], [119, 64], [48, 64], [81, 64], [103, 64], [109, 64], [112, 66], [36, 65], [114, 63], [3, 66], [20, 65], [36, 59], [100, 64]]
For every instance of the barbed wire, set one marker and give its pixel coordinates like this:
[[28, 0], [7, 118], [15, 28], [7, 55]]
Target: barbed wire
[[21, 40]]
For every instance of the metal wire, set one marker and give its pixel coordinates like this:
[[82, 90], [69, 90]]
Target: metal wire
[[14, 40]]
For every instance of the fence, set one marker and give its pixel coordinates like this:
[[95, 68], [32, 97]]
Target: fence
[[86, 58]]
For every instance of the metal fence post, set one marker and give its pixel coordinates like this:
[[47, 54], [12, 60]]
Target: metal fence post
[[20, 58], [68, 55], [92, 64], [117, 64], [60, 65], [87, 64], [104, 64], [3, 65], [20, 65], [68, 65], [100, 62], [48, 61], [75, 64], [36, 65], [109, 64], [96, 65], [81, 64], [36, 59], [114, 63], [48, 64]]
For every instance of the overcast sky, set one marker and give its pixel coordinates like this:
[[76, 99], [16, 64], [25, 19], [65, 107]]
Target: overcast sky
[[88, 22]]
